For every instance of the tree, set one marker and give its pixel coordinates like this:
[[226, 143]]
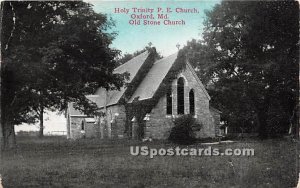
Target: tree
[[121, 59], [249, 52], [45, 66]]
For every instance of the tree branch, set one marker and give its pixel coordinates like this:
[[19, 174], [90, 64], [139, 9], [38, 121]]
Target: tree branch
[[14, 26]]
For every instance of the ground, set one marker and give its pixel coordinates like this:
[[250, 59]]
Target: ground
[[57, 162]]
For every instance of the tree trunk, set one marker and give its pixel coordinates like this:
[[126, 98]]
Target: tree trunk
[[296, 121], [262, 130], [9, 135], [262, 115], [41, 132], [1, 138]]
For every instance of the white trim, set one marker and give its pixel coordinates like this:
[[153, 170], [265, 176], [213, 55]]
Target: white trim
[[92, 95], [147, 117], [140, 100], [133, 119], [78, 115], [90, 120]]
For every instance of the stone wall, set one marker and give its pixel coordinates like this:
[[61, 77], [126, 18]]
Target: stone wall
[[113, 124], [91, 129], [118, 122], [110, 126], [75, 127], [160, 123]]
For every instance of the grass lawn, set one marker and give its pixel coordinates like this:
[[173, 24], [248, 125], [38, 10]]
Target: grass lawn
[[58, 162]]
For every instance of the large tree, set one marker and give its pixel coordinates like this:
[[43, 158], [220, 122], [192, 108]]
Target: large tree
[[123, 58], [249, 59], [52, 53]]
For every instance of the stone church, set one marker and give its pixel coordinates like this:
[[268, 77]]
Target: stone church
[[158, 91]]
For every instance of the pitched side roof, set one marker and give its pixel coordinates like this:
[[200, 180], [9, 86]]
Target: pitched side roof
[[132, 67], [145, 90], [214, 109], [153, 79], [74, 112], [112, 97]]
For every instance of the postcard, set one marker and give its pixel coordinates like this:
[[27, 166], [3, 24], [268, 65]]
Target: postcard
[[149, 94]]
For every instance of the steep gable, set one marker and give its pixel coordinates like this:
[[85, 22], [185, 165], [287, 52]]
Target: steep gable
[[107, 98], [137, 67], [145, 81], [73, 112], [155, 76], [132, 67], [198, 79], [152, 82]]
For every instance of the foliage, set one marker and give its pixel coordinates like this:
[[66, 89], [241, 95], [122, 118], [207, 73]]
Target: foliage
[[45, 66], [248, 59], [121, 59], [139, 109], [141, 74], [178, 66], [184, 129]]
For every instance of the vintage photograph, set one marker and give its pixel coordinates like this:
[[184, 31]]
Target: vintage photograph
[[149, 94]]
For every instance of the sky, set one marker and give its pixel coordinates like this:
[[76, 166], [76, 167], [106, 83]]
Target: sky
[[52, 122], [131, 38], [164, 37]]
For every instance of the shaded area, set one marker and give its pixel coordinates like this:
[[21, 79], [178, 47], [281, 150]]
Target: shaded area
[[57, 162]]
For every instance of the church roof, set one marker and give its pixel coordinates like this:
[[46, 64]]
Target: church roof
[[147, 85], [113, 96], [155, 76], [153, 79], [132, 67], [73, 112]]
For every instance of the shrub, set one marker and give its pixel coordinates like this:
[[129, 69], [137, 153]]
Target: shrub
[[184, 130]]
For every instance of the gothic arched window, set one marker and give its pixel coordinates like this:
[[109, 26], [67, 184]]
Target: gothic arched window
[[82, 126], [180, 96], [192, 101]]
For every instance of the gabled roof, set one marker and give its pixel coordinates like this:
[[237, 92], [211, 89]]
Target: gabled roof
[[198, 80], [113, 96], [73, 112], [132, 67], [147, 86], [153, 79], [155, 76]]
